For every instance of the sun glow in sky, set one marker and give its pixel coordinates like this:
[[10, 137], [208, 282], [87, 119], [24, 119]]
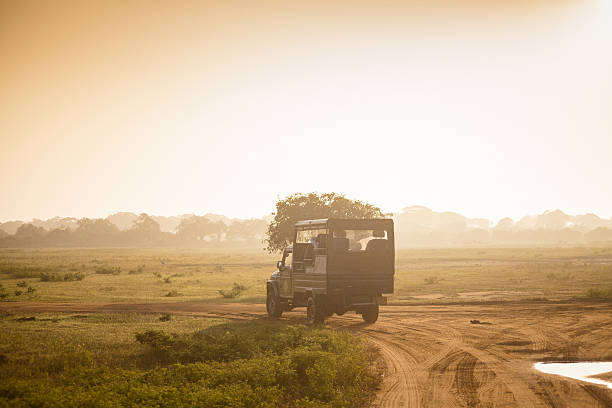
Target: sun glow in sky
[[195, 107]]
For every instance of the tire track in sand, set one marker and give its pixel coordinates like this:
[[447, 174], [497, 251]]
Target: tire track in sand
[[399, 388]]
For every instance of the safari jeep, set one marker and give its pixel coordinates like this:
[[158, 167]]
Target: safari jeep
[[334, 266]]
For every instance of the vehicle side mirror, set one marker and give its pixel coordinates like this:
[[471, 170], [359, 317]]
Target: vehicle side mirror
[[280, 265]]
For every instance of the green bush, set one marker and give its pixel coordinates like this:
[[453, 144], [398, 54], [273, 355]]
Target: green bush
[[108, 270], [234, 292], [139, 269], [68, 277], [50, 277], [232, 365], [600, 293], [74, 276]]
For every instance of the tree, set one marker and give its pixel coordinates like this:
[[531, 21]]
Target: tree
[[299, 207], [196, 228], [59, 236], [145, 224], [600, 234], [96, 231], [145, 229], [96, 227], [30, 232], [247, 230]]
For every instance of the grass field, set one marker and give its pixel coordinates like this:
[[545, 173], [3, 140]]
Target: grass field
[[142, 275], [188, 354]]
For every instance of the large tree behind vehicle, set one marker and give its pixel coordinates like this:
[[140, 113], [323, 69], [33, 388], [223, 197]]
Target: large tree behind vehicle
[[298, 207]]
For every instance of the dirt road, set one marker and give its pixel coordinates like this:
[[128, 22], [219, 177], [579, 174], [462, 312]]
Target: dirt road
[[437, 358]]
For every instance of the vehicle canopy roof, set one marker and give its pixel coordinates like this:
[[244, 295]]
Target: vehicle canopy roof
[[370, 223]]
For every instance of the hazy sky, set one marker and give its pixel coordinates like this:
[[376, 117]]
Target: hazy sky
[[180, 107]]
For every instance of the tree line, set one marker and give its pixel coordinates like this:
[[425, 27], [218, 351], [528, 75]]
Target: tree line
[[145, 231], [415, 227]]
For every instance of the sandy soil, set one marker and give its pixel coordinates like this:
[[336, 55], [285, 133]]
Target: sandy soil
[[436, 358]]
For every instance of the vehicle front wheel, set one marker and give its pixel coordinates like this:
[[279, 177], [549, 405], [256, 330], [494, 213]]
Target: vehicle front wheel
[[273, 305], [314, 312], [370, 315]]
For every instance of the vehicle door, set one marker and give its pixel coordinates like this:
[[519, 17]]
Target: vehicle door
[[285, 274]]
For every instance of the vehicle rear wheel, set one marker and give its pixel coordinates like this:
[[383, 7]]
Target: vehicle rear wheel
[[273, 305], [370, 314], [314, 312]]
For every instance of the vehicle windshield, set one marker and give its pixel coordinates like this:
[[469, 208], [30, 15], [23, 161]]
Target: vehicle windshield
[[357, 240]]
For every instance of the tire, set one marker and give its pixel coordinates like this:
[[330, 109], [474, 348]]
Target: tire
[[273, 305], [370, 315], [314, 312]]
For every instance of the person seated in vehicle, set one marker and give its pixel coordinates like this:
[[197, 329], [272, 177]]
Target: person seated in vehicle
[[320, 247], [379, 241], [356, 246]]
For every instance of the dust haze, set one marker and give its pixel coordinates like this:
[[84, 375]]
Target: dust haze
[[306, 204]]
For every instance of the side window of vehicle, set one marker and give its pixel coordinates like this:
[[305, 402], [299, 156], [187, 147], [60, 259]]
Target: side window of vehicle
[[316, 239], [288, 260], [312, 236]]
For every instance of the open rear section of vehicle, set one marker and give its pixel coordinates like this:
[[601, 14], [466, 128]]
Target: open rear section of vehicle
[[361, 258]]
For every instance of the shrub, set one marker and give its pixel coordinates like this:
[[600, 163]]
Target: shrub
[[314, 367], [156, 339], [232, 365], [68, 277], [167, 280], [244, 340], [50, 277], [22, 284], [600, 293], [165, 317], [108, 270], [31, 289], [18, 293], [173, 293], [234, 292], [139, 269], [74, 276]]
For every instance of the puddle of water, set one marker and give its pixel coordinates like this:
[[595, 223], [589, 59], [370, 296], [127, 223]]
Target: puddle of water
[[578, 371]]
